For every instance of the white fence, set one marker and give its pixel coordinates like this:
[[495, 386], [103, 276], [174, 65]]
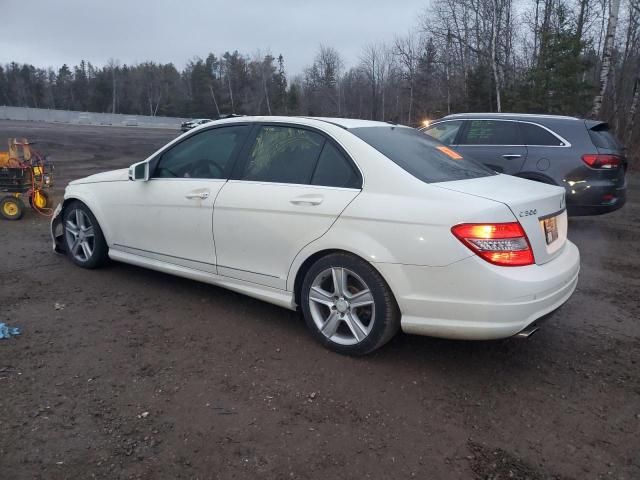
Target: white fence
[[87, 118]]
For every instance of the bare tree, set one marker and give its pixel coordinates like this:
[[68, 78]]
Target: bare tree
[[406, 49], [370, 63], [494, 51], [607, 53]]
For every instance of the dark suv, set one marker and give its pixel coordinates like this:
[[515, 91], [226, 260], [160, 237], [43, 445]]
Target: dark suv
[[581, 155]]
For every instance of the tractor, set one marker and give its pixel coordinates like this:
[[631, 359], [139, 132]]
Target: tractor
[[24, 174]]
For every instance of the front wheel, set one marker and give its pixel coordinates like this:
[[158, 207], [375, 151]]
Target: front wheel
[[348, 306], [84, 241]]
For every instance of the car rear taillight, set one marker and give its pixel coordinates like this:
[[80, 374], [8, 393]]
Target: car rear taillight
[[498, 243], [596, 160]]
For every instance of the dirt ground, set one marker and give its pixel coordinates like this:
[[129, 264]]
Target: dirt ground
[[137, 374]]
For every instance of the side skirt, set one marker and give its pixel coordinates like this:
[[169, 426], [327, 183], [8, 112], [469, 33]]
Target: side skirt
[[278, 297]]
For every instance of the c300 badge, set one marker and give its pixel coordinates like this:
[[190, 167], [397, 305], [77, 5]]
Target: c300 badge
[[527, 213]]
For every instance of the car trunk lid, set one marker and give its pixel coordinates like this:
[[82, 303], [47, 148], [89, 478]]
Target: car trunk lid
[[540, 208]]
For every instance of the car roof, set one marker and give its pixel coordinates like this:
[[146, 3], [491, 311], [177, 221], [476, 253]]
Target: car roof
[[345, 123], [508, 116]]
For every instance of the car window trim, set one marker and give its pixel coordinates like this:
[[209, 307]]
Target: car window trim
[[284, 184], [153, 162], [565, 142], [243, 155]]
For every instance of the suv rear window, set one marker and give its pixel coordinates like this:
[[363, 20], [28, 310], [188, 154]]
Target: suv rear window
[[420, 155]]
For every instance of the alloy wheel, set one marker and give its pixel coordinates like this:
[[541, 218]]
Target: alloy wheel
[[80, 235], [342, 306]]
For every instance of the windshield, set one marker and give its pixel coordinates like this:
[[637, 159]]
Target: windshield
[[420, 155]]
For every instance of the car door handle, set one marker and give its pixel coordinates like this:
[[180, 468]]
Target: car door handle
[[307, 200], [511, 156], [200, 195]]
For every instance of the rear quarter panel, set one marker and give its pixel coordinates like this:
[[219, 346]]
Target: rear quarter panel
[[411, 228]]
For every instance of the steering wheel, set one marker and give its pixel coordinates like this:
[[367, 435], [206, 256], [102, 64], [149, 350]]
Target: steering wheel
[[202, 169]]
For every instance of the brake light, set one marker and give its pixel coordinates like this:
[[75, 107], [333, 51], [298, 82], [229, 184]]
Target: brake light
[[503, 244], [602, 160]]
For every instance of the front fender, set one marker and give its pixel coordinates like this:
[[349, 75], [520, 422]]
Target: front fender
[[87, 195]]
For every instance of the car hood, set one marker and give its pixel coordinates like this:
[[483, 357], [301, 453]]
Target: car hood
[[110, 176]]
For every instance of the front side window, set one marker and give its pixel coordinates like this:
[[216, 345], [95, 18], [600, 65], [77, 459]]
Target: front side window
[[283, 155], [208, 154], [444, 132], [420, 155], [490, 132], [537, 136]]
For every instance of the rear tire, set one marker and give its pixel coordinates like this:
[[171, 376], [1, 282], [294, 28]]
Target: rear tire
[[348, 306], [83, 238]]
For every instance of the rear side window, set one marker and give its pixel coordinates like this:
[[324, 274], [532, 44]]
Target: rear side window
[[421, 156], [334, 170], [444, 132], [536, 135], [491, 132], [283, 155], [603, 138]]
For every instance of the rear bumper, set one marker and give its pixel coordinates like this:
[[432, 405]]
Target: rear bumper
[[595, 197], [474, 300]]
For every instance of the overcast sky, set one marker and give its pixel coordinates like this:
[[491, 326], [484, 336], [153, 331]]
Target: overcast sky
[[52, 32]]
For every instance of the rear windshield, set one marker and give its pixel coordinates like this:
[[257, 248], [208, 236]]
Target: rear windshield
[[603, 138], [420, 155]]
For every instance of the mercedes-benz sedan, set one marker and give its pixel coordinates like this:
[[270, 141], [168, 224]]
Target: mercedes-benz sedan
[[365, 227]]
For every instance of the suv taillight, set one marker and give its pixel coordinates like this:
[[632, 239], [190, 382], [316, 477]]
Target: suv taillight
[[596, 160], [503, 244]]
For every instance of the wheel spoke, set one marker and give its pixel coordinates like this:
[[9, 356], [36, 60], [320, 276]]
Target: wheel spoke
[[88, 232], [71, 228], [79, 219], [86, 249], [318, 295], [76, 246], [360, 299], [358, 330], [331, 325], [339, 276]]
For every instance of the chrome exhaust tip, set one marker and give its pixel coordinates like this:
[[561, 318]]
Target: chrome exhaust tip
[[527, 332]]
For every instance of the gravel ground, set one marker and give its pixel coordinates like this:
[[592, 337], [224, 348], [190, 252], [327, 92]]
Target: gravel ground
[[128, 373]]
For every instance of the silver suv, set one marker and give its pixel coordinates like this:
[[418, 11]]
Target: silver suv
[[580, 155]]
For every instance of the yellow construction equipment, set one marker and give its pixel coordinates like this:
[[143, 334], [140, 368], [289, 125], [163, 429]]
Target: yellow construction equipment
[[24, 172]]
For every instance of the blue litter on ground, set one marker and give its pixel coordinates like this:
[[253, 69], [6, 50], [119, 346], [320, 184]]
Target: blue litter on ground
[[7, 331]]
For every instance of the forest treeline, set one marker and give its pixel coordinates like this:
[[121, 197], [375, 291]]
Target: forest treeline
[[574, 57]]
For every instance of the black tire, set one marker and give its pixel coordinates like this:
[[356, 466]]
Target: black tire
[[386, 317], [99, 251], [11, 208]]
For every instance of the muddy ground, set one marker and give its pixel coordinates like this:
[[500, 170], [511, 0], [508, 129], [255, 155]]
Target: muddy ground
[[137, 374]]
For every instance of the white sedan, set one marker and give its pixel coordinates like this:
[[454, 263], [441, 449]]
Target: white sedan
[[366, 227]]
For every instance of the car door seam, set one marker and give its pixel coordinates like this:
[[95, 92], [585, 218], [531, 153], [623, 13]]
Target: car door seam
[[318, 238]]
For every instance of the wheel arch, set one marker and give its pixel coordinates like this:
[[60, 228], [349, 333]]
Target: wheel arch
[[314, 257], [91, 204]]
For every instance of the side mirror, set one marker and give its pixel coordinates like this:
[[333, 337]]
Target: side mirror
[[139, 171]]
